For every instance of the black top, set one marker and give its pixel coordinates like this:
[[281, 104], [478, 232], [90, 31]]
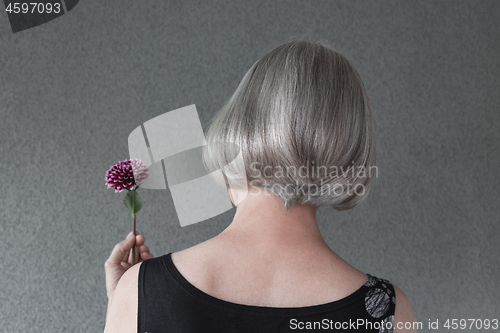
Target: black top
[[167, 302]]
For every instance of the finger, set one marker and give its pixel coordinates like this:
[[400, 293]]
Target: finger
[[126, 265], [146, 255], [120, 250], [126, 255], [139, 240], [137, 255], [144, 248], [142, 253], [145, 252], [129, 241]]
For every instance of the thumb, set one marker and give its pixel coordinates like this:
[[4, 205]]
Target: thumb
[[131, 234], [129, 242], [120, 251]]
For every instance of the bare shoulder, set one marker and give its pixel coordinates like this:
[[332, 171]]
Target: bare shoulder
[[196, 259], [195, 264], [122, 312], [404, 312]]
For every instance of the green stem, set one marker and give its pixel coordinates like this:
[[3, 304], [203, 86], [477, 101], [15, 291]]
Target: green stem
[[133, 246]]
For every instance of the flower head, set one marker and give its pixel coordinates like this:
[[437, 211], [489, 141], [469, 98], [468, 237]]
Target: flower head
[[126, 174]]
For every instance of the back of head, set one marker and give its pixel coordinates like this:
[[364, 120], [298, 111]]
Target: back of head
[[302, 120]]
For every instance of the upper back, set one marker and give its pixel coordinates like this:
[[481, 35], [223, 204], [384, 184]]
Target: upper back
[[268, 279], [232, 292]]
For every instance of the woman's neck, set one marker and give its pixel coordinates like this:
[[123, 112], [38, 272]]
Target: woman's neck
[[262, 222]]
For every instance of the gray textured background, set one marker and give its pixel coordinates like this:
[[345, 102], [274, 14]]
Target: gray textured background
[[72, 90]]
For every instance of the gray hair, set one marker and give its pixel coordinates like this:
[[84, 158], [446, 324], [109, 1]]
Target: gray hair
[[302, 106]]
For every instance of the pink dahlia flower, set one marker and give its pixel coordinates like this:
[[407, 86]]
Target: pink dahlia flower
[[121, 175]]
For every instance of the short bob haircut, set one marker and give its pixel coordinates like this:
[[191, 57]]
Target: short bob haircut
[[303, 122]]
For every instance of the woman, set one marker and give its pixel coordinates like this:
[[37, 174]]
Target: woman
[[304, 126]]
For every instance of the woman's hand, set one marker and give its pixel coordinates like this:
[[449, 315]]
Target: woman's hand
[[120, 260]]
